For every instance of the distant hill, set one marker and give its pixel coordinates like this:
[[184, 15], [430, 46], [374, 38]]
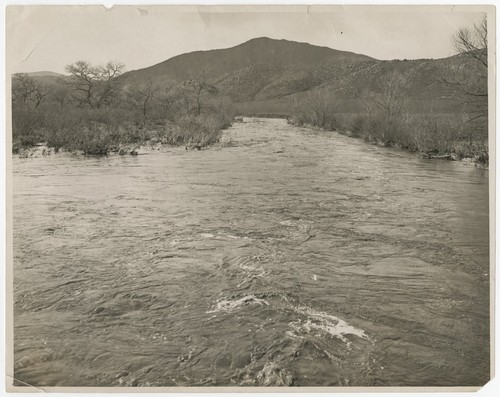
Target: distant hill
[[45, 74]]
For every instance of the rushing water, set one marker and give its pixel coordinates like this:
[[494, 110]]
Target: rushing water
[[285, 256]]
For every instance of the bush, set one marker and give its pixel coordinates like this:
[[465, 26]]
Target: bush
[[201, 130], [429, 136], [388, 131], [357, 126], [27, 127], [93, 142], [316, 109]]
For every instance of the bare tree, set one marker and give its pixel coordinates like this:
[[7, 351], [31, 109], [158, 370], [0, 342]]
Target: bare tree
[[94, 85], [141, 97], [39, 94], [61, 93], [106, 77], [473, 42], [393, 99], [318, 108], [387, 110], [198, 87], [83, 79], [25, 89], [166, 97], [469, 75], [22, 87]]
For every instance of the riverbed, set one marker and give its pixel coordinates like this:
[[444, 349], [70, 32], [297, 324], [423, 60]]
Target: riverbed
[[282, 257]]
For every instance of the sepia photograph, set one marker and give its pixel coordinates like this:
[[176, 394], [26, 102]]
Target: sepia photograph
[[250, 197]]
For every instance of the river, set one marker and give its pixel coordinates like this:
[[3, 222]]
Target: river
[[283, 256]]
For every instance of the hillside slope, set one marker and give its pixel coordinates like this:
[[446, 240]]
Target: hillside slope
[[273, 54]]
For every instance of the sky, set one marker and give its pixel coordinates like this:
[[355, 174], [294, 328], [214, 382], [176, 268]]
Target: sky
[[47, 38]]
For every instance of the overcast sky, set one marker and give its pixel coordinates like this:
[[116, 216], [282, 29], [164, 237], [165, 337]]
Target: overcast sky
[[48, 38]]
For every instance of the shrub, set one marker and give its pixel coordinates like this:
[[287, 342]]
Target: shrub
[[431, 135], [92, 140], [27, 124], [89, 138], [357, 126], [201, 130]]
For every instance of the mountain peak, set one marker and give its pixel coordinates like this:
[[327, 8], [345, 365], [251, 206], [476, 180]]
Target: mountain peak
[[262, 38], [262, 51]]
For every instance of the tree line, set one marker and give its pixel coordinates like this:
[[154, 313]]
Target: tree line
[[192, 112]]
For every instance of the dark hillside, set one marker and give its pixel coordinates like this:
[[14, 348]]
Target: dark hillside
[[274, 54]]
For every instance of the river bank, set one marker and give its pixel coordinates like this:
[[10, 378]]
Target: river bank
[[152, 140], [478, 160], [157, 144], [97, 132], [42, 150]]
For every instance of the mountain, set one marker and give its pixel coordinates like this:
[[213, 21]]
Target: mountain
[[265, 75], [263, 53]]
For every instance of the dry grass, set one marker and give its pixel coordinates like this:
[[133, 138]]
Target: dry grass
[[100, 131]]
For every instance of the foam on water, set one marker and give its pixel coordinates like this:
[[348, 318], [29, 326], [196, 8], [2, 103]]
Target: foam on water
[[274, 375], [302, 225], [227, 305], [251, 273], [223, 236], [326, 323]]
